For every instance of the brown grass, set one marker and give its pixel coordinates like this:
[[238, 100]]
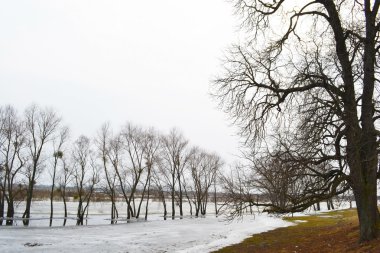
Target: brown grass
[[336, 231]]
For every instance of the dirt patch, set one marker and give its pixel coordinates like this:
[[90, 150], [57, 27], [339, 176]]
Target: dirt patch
[[333, 232]]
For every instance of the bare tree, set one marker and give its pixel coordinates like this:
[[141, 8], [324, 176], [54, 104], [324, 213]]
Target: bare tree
[[57, 155], [210, 167], [40, 125], [203, 168], [134, 145], [324, 66], [152, 145], [175, 158], [13, 158], [103, 142], [85, 175], [115, 156]]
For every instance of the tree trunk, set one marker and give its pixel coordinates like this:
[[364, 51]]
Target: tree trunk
[[87, 213], [29, 196], [197, 208], [147, 200], [142, 195], [164, 203], [366, 203], [51, 202], [52, 191], [180, 194], [80, 213], [332, 204], [2, 200], [191, 206], [134, 206], [113, 207], [65, 208], [116, 215], [10, 212], [173, 205], [129, 210], [165, 211], [216, 205]]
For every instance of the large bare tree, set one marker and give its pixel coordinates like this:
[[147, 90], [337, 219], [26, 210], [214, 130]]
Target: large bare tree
[[103, 142], [152, 144], [57, 155], [174, 158], [203, 168], [13, 157], [40, 125], [86, 175], [319, 59], [134, 145]]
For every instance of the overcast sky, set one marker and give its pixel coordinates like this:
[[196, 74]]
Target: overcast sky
[[147, 62]]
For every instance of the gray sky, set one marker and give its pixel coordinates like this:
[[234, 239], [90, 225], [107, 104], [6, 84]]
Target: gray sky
[[147, 62]]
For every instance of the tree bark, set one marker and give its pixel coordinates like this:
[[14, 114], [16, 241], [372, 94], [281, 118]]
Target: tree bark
[[65, 209], [173, 197], [10, 212], [2, 200], [52, 191], [180, 192], [29, 197], [366, 203], [147, 200]]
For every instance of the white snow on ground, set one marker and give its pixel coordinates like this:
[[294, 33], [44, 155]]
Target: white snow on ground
[[155, 235], [186, 235]]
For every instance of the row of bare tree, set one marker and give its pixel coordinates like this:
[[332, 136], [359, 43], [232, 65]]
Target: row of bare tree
[[128, 165]]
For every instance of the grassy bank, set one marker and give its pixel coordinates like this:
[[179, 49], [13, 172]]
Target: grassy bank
[[336, 231]]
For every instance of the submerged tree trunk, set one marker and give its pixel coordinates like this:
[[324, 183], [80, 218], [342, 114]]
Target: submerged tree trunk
[[87, 214], [29, 197], [2, 200], [114, 213], [134, 206], [80, 213], [147, 200], [189, 201], [173, 197], [142, 195], [216, 201], [162, 196], [10, 212], [65, 209], [52, 189], [180, 196]]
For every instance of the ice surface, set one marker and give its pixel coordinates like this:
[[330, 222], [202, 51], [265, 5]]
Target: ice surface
[[154, 235]]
